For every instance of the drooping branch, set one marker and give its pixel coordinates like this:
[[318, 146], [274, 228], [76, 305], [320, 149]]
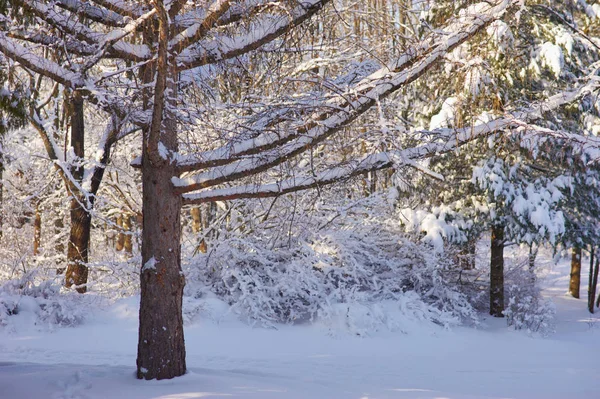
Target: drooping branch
[[331, 122], [201, 28], [263, 31], [446, 140], [93, 13]]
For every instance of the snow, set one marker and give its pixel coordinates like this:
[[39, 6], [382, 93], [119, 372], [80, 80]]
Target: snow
[[551, 57], [230, 359]]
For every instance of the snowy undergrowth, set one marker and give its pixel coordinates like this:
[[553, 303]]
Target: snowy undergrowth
[[346, 280], [25, 302]]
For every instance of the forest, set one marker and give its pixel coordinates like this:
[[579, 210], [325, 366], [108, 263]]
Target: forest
[[366, 183]]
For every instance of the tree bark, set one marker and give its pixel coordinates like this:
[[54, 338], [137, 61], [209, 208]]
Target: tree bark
[[161, 348], [79, 236], [197, 227], [497, 272], [127, 241], [120, 235], [593, 282], [575, 281], [161, 345]]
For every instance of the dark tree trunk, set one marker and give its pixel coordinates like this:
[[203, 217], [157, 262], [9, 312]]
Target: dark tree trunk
[[497, 272], [78, 246], [1, 195], [531, 259], [593, 282], [79, 236], [59, 245], [575, 281], [161, 347]]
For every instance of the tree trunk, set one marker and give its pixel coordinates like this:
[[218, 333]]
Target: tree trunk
[[575, 272], [79, 236], [127, 242], [197, 227], [497, 272], [161, 348], [531, 259], [161, 345], [59, 245], [1, 195], [120, 235], [593, 283], [37, 230], [78, 247]]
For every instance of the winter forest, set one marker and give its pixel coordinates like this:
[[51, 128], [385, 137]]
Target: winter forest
[[299, 199]]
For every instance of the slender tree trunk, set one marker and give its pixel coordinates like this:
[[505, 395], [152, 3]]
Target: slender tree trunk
[[497, 272], [197, 227], [120, 235], [531, 259], [37, 230], [127, 241], [575, 281], [59, 245], [79, 237], [1, 195], [593, 282]]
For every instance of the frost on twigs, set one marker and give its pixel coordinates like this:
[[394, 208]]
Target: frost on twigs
[[357, 281], [39, 304]]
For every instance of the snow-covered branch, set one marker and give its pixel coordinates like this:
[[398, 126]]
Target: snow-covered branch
[[261, 32], [327, 124], [446, 140]]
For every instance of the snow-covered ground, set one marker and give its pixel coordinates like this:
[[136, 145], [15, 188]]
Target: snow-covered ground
[[230, 359]]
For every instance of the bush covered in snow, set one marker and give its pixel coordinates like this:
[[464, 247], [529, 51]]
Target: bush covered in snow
[[39, 303], [526, 309], [359, 277]]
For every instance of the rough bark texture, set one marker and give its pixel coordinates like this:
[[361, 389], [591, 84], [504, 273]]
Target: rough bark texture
[[497, 272], [161, 347], [575, 281], [593, 283], [79, 236]]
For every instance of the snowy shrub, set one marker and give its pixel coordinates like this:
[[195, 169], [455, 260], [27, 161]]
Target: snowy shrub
[[340, 277], [527, 310], [41, 303]]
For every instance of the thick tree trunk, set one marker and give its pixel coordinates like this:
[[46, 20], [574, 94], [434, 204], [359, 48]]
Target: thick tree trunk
[[78, 247], [497, 272], [593, 282], [161, 347], [575, 281], [79, 236]]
